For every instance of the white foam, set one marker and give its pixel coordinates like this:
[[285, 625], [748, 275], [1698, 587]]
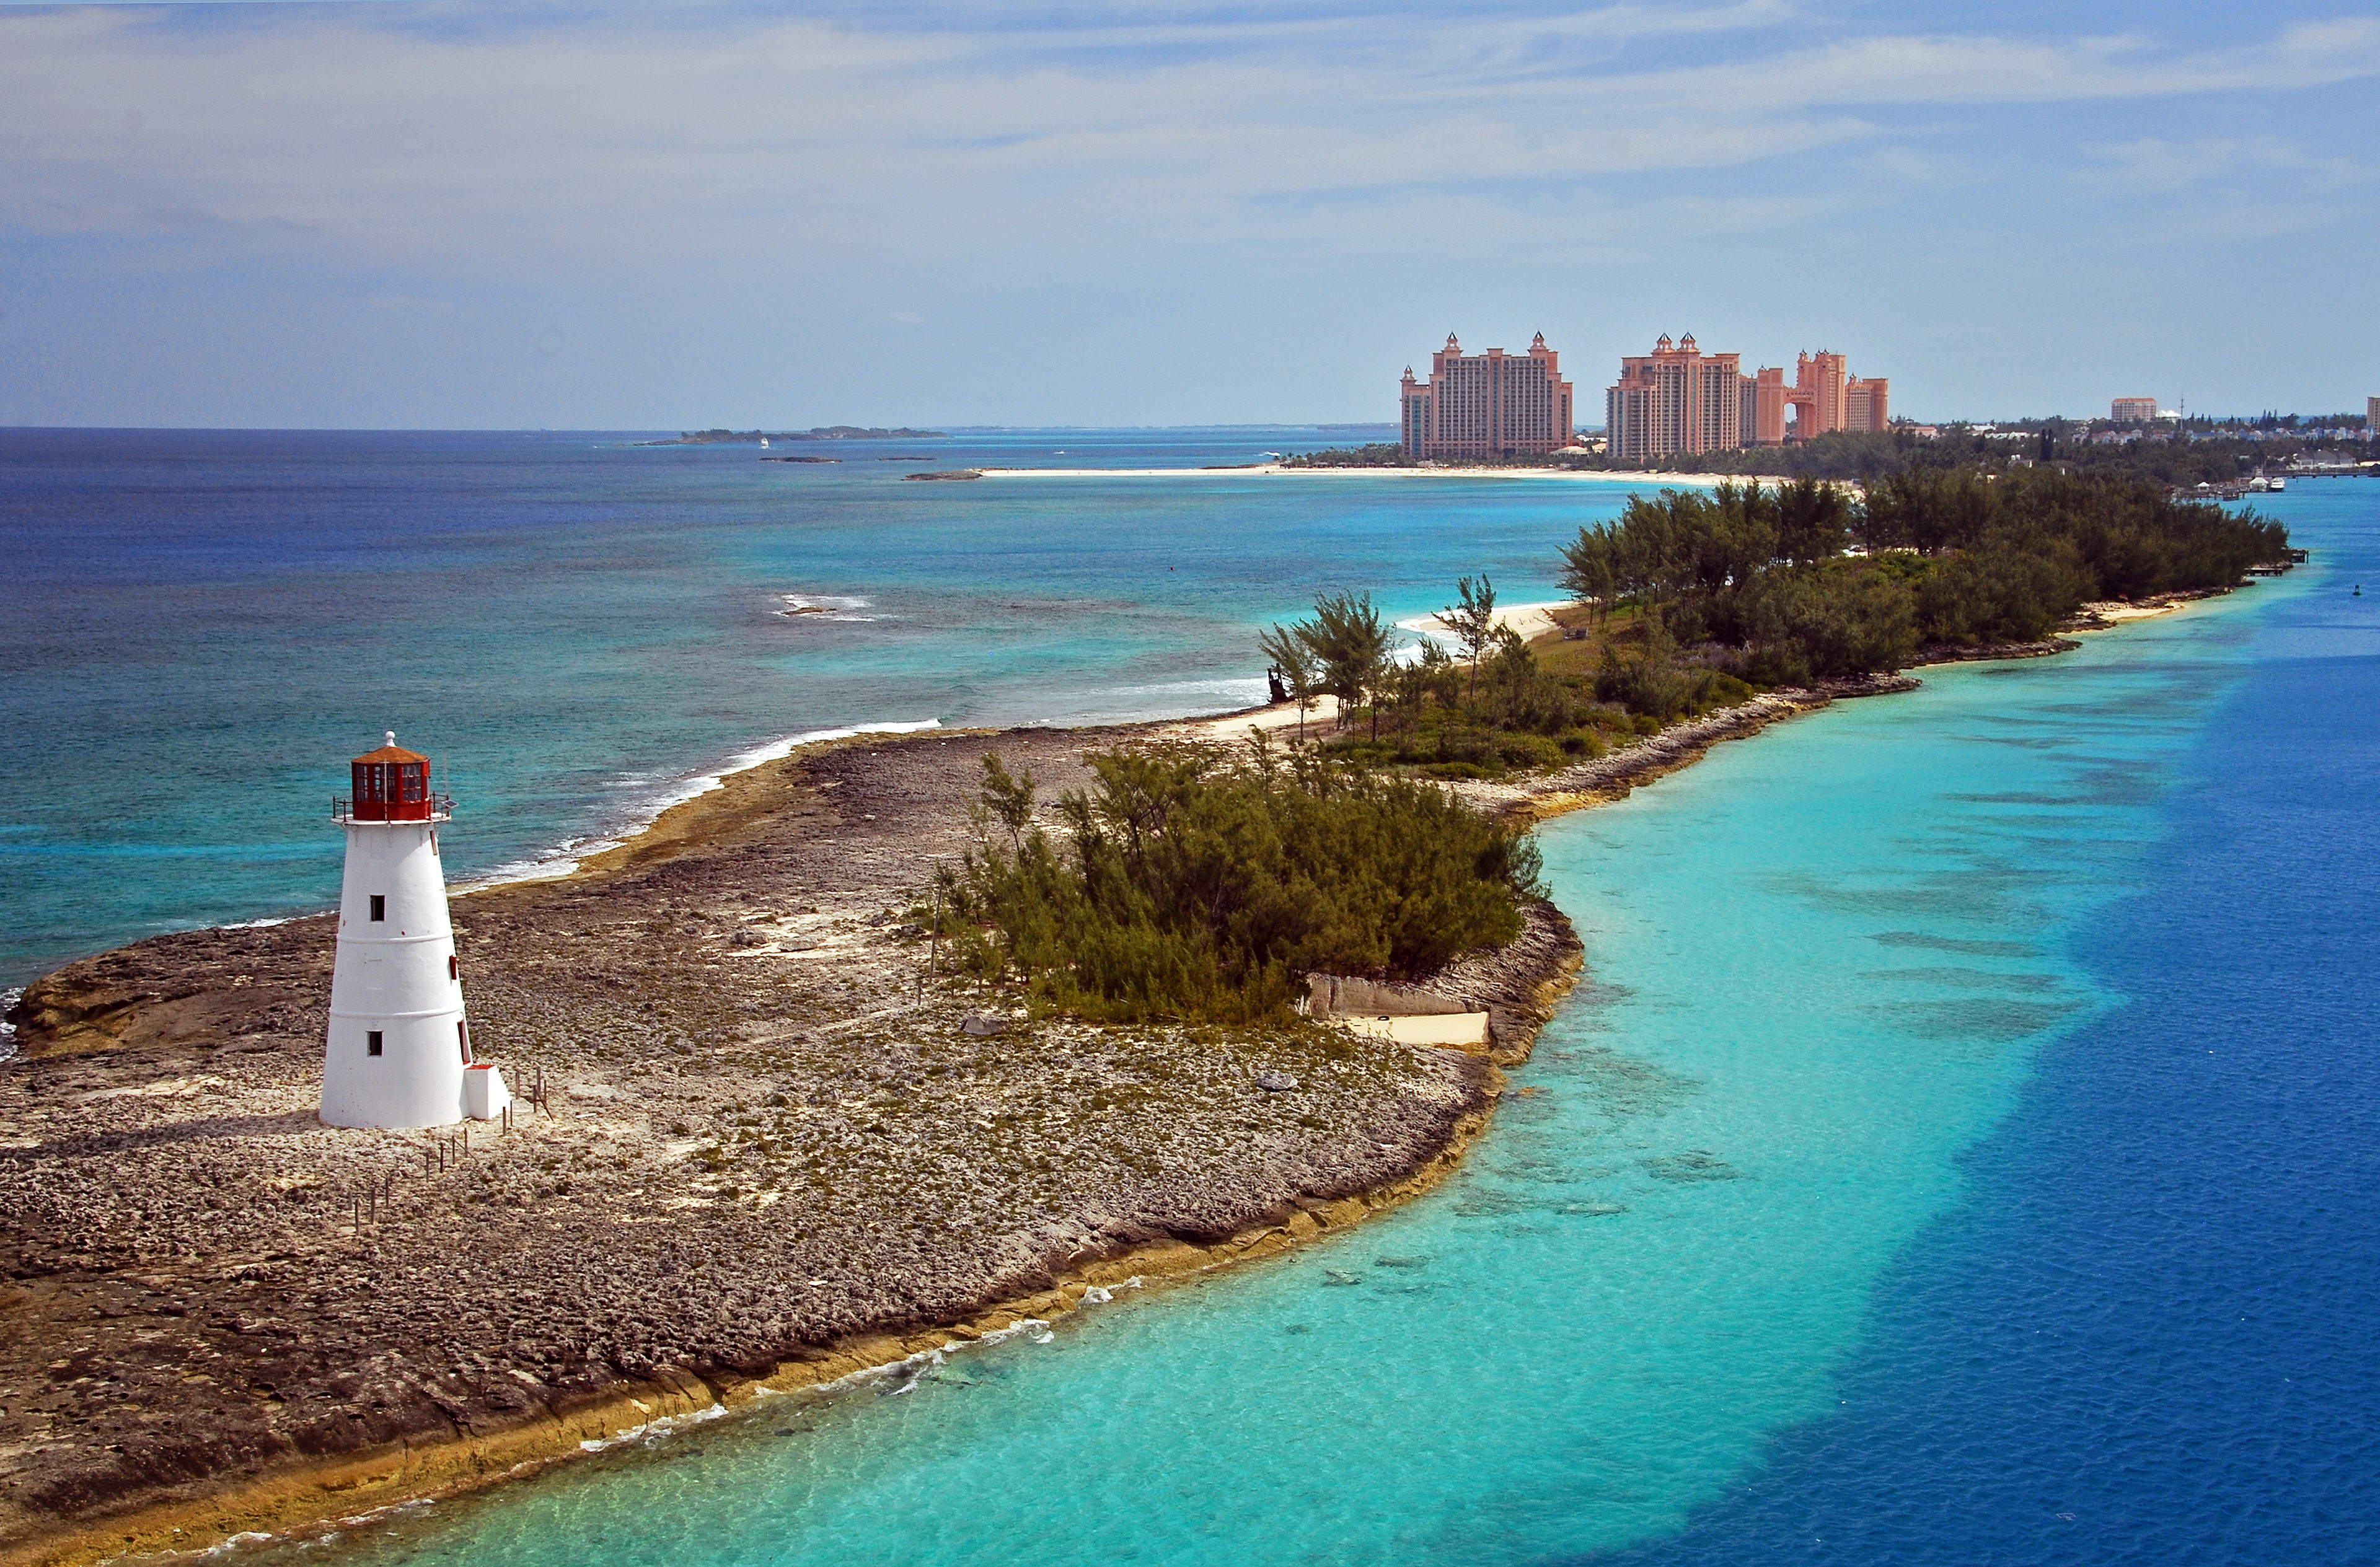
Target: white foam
[[1235, 687], [836, 607], [565, 857], [655, 1430], [1427, 625], [8, 999], [1038, 1329]]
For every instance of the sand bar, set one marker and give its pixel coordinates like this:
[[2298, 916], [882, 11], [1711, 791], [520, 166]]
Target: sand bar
[[1277, 470]]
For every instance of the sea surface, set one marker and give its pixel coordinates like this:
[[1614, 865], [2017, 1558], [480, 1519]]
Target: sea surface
[[1961, 1149], [199, 628]]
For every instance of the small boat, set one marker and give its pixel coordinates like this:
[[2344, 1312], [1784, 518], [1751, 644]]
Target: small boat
[[764, 443], [2277, 484]]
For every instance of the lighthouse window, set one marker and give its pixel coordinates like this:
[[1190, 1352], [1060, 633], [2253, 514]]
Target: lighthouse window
[[379, 907], [454, 967], [371, 1042], [462, 1038]]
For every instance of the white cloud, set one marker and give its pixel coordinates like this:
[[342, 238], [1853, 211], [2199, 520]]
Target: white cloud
[[690, 189], [2156, 165], [375, 128]]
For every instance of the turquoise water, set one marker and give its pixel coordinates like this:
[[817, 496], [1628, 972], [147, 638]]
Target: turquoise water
[[1826, 966], [202, 627]]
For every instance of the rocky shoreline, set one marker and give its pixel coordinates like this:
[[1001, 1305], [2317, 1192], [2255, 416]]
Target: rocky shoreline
[[773, 1157]]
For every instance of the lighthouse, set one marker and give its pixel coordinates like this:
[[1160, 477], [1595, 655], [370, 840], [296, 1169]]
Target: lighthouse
[[399, 1049]]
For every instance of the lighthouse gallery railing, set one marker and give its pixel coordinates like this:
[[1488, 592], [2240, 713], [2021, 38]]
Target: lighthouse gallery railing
[[343, 809]]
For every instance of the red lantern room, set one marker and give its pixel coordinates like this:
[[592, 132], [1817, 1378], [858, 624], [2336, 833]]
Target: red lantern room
[[392, 785]]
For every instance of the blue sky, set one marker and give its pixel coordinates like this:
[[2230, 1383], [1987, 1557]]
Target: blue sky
[[659, 216]]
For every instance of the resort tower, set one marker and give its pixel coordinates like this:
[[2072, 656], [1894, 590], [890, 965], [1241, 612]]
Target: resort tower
[[399, 1053]]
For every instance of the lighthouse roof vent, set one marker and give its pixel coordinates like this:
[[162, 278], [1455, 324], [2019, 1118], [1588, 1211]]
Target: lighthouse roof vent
[[391, 751]]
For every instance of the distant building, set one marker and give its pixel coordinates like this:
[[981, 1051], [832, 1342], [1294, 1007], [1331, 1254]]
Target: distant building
[[2134, 410], [1491, 404], [2372, 414], [1678, 399], [1675, 399], [1865, 404]]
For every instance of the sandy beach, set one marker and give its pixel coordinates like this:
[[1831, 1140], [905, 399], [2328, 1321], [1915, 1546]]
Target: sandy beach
[[1278, 470]]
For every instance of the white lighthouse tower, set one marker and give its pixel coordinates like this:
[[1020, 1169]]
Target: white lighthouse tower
[[399, 1049]]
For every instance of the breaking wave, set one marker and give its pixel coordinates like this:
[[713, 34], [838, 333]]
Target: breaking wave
[[843, 607], [658, 795]]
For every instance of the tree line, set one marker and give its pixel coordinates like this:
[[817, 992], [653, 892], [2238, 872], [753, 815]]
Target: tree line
[[1784, 584]]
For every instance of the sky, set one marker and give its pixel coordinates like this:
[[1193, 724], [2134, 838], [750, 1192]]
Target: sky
[[664, 216]]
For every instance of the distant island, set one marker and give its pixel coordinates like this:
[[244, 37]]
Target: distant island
[[824, 432]]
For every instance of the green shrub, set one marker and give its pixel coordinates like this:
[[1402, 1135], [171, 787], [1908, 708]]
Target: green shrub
[[1955, 555], [1191, 885]]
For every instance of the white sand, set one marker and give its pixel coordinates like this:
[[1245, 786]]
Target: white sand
[[1276, 470], [1527, 622], [2115, 612], [1232, 728]]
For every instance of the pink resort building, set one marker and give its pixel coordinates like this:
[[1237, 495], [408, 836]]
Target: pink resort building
[[1491, 404], [1675, 399], [1679, 400]]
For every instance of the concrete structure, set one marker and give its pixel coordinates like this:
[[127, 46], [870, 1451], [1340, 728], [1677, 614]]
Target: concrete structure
[[1827, 398], [1816, 395], [2134, 410], [1459, 1029], [2372, 413], [1491, 404], [398, 1050], [1867, 404], [1763, 423], [1407, 1014], [1674, 400], [1678, 399]]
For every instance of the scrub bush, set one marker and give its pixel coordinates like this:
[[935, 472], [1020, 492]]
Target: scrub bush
[[1193, 885]]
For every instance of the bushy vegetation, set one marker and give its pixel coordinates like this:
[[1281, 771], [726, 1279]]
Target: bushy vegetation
[[1495, 708], [1757, 580], [1192, 885], [2181, 456], [1374, 454], [1195, 885]]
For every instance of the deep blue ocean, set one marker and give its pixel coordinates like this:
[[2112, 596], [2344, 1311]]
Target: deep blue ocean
[[1961, 1149]]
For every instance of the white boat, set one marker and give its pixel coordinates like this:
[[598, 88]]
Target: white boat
[[2277, 484], [764, 443]]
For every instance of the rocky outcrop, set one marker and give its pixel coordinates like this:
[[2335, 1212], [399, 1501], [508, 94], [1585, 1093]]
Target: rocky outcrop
[[774, 1147]]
